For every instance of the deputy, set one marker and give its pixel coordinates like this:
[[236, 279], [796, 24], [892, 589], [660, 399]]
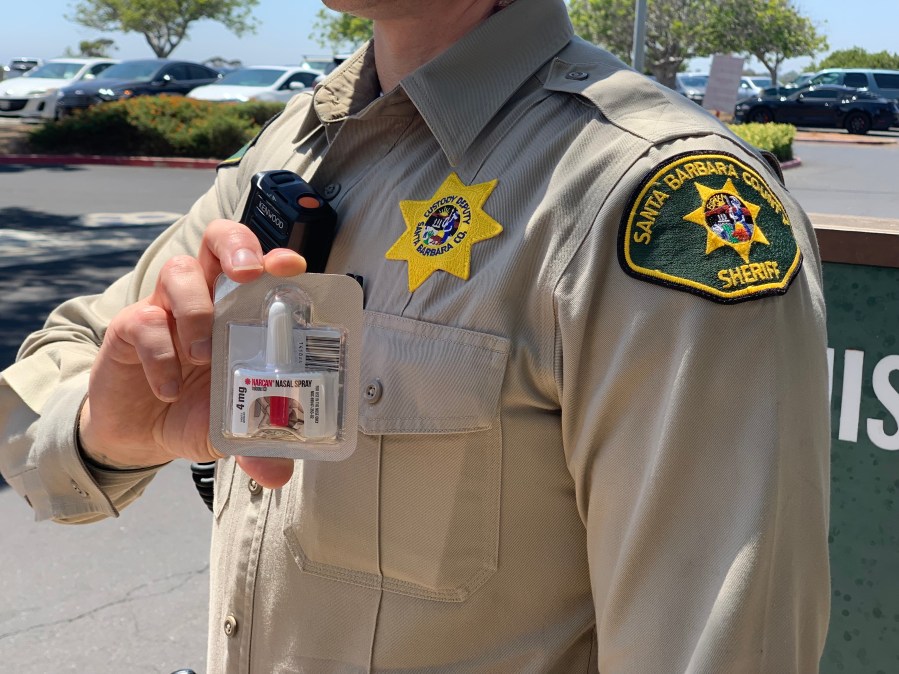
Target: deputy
[[596, 436]]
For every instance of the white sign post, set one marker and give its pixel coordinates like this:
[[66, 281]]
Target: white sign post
[[724, 82]]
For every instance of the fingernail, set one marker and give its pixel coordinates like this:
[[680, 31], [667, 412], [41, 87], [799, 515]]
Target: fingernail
[[169, 390], [245, 259], [201, 350]]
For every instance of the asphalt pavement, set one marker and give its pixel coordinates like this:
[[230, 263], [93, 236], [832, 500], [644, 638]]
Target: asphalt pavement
[[127, 594], [67, 231], [846, 179], [130, 594]]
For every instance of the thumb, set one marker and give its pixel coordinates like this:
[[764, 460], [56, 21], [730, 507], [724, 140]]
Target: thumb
[[271, 473]]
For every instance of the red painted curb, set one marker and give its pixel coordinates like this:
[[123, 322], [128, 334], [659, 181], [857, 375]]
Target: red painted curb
[[845, 138], [792, 163], [56, 159]]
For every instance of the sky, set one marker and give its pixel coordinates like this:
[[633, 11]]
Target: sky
[[39, 28]]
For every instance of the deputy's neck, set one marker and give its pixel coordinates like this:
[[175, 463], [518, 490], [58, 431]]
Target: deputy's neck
[[403, 44]]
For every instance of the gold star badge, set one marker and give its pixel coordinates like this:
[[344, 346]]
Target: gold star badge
[[728, 219], [440, 231]]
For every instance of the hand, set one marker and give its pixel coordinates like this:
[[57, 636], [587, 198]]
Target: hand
[[148, 397]]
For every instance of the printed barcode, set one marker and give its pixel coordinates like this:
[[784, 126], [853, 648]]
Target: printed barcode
[[323, 353]]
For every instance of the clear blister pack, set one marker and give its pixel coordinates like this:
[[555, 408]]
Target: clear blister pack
[[285, 369]]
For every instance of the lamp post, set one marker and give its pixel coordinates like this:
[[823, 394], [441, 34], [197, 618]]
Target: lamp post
[[639, 54]]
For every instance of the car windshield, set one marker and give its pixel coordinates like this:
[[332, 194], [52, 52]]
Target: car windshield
[[137, 71], [693, 80], [761, 81], [251, 77], [322, 64], [64, 70]]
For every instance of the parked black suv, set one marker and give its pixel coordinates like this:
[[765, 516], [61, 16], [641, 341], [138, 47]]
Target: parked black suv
[[148, 77], [829, 106]]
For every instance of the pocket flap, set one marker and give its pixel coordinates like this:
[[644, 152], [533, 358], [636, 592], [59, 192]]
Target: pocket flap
[[422, 377]]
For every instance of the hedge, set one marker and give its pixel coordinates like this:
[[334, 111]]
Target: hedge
[[175, 126], [776, 138], [160, 126]]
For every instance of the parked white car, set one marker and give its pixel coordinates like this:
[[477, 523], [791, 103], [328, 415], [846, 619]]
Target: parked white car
[[753, 85], [258, 83], [33, 95], [691, 85]]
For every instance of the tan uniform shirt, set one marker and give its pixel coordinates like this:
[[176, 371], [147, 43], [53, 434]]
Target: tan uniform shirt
[[567, 467]]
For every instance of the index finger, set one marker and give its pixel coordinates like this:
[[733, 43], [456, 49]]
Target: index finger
[[232, 248]]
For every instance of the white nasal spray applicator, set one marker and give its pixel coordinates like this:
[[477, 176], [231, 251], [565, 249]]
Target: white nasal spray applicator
[[276, 390], [278, 355]]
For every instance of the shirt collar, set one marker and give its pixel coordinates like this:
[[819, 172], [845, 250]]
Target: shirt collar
[[458, 92], [345, 91]]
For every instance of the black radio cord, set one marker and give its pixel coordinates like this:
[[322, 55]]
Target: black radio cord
[[204, 481]]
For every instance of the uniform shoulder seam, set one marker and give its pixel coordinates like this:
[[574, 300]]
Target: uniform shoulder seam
[[625, 98]]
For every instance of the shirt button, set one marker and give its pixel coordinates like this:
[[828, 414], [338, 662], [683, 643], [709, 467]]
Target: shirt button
[[79, 490], [230, 626], [373, 391], [254, 487], [577, 75], [331, 191]]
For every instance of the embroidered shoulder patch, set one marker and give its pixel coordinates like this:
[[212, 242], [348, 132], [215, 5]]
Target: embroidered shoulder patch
[[710, 225], [235, 158]]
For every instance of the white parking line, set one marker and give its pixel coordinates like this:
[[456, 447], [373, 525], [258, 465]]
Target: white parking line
[[99, 233], [144, 219]]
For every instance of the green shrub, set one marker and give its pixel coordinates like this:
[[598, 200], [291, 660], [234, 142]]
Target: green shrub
[[175, 126], [260, 111], [776, 138], [161, 126]]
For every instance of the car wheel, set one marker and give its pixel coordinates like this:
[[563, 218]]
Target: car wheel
[[761, 116], [858, 122]]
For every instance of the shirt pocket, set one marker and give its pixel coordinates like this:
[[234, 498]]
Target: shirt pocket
[[416, 509]]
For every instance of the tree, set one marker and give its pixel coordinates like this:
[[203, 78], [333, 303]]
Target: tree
[[99, 48], [163, 23], [338, 31], [770, 30], [220, 63], [860, 58], [676, 30]]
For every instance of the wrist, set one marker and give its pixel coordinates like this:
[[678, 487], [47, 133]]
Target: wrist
[[88, 448]]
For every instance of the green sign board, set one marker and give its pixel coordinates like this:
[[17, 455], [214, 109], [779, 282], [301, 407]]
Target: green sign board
[[863, 325]]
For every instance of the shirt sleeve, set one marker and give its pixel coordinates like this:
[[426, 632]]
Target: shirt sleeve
[[697, 433], [42, 392]]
